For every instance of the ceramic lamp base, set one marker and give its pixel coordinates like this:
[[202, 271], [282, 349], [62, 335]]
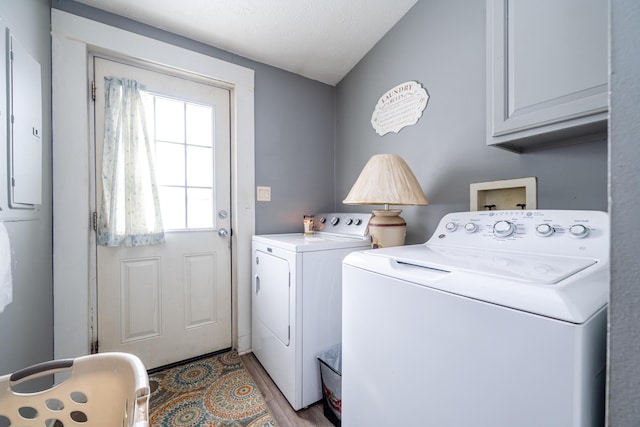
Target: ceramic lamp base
[[387, 228]]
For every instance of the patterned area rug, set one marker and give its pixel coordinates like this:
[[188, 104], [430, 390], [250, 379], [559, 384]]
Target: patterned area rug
[[216, 391]]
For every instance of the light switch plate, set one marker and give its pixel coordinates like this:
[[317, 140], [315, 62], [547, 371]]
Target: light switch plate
[[264, 194]]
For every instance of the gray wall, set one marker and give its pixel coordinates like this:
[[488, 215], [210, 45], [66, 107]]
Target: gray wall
[[624, 178], [26, 325], [441, 44], [293, 127]]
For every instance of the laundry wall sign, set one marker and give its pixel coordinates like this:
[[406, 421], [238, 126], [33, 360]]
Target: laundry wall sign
[[399, 107]]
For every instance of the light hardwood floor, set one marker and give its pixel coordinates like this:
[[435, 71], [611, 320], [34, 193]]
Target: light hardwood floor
[[278, 405]]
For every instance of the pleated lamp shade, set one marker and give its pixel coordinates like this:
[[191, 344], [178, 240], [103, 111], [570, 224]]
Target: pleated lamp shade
[[386, 180]]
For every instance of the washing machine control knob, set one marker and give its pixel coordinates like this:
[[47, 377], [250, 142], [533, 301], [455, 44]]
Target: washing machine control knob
[[578, 231], [470, 227], [544, 230], [349, 221], [503, 228], [357, 221], [335, 220], [451, 227]]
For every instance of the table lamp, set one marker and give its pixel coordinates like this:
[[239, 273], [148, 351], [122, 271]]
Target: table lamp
[[386, 180]]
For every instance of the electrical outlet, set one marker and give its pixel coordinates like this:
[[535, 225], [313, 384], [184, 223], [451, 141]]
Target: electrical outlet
[[264, 194]]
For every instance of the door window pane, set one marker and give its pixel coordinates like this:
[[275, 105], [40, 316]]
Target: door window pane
[[199, 208], [199, 125], [170, 163], [169, 116], [200, 171], [184, 161], [172, 203]]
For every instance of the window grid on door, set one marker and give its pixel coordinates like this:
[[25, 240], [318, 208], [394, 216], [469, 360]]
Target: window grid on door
[[184, 146]]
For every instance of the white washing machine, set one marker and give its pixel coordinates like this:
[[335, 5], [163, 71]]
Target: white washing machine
[[498, 320], [296, 300]]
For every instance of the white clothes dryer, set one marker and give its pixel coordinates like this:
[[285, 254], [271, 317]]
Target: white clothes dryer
[[498, 320], [297, 300]]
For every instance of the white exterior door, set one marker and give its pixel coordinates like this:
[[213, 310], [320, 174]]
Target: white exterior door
[[172, 301]]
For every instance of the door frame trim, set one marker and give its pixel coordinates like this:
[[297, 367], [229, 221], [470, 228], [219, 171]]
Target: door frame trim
[[74, 275]]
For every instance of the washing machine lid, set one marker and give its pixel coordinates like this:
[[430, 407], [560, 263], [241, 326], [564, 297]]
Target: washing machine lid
[[532, 268], [558, 287], [299, 242]]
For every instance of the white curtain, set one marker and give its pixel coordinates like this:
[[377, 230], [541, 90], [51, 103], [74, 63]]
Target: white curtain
[[130, 207]]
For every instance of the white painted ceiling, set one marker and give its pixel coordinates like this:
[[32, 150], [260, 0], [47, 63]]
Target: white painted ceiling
[[319, 39]]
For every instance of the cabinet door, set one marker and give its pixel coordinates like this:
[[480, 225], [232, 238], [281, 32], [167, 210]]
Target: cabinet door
[[547, 70]]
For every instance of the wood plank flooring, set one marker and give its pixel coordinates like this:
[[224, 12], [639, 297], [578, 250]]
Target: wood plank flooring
[[278, 405]]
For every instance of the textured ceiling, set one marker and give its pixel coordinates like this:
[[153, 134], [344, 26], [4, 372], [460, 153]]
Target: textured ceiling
[[318, 39]]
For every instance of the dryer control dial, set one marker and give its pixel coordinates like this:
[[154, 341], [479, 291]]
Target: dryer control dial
[[544, 230], [578, 231], [504, 228], [451, 227]]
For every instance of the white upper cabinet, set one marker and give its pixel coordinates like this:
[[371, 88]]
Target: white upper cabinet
[[546, 71]]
